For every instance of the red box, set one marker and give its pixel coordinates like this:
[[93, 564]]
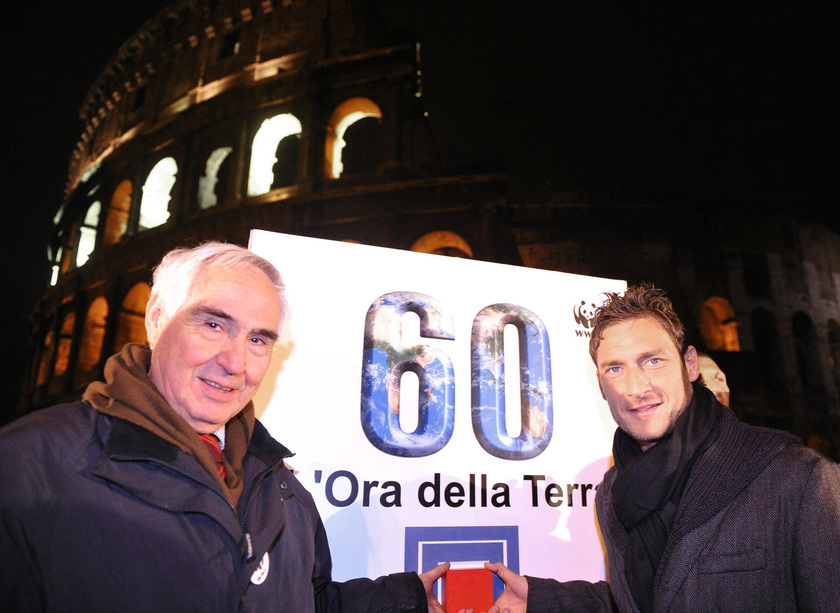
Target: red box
[[468, 588]]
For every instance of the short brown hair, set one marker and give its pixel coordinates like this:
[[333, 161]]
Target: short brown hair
[[638, 302]]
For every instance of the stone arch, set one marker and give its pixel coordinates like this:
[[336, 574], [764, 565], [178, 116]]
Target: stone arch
[[131, 324], [90, 345], [208, 194], [46, 357], [765, 337], [264, 151], [443, 242], [805, 348], [344, 116], [285, 169], [116, 222], [718, 325], [66, 251], [157, 190], [64, 345], [86, 242]]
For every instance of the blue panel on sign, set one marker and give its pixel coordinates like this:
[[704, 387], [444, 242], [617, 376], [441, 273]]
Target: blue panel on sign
[[464, 546]]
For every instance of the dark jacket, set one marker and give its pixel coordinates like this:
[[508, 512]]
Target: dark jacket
[[98, 514], [757, 529]]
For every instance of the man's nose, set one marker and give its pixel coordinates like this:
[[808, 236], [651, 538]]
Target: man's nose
[[638, 382], [233, 355]]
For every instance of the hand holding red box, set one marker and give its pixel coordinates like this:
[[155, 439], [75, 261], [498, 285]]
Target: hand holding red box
[[467, 588]]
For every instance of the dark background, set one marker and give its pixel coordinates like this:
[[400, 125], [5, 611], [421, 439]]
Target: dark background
[[718, 105]]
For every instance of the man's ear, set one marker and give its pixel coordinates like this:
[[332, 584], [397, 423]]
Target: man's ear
[[692, 363], [154, 320]]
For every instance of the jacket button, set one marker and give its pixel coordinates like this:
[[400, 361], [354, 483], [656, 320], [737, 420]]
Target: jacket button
[[284, 485]]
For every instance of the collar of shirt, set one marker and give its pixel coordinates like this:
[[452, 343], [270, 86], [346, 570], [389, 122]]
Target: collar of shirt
[[220, 434]]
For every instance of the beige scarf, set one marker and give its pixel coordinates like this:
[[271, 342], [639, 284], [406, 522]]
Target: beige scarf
[[128, 393]]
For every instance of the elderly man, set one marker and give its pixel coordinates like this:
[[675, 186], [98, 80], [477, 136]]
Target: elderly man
[[700, 511], [160, 491]]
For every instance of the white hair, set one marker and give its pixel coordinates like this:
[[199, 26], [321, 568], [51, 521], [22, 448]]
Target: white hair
[[180, 268]]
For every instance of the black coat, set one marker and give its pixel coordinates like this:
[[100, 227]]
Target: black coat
[[101, 515], [757, 529]]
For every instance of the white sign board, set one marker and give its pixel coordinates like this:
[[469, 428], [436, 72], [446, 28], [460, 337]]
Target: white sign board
[[440, 409]]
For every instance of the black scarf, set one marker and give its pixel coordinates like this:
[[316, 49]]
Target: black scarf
[[649, 485]]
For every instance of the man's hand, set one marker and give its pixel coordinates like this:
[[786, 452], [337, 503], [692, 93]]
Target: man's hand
[[515, 597], [428, 578]]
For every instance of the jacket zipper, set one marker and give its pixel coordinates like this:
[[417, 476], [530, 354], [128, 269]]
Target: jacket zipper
[[249, 544]]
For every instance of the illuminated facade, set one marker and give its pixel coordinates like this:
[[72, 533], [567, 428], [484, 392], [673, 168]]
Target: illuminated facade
[[306, 117], [295, 116]]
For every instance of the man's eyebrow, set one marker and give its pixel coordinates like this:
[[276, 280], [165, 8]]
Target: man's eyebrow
[[656, 353], [201, 310], [271, 335], [611, 363]]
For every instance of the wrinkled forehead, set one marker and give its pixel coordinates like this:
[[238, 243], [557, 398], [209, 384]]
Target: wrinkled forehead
[[241, 276], [242, 282]]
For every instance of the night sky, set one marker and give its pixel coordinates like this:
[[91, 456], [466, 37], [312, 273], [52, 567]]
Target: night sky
[[722, 103]]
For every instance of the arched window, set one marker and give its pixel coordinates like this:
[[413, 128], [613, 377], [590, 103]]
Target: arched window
[[443, 242], [765, 337], [56, 267], [356, 149], [264, 150], [46, 357], [117, 220], [154, 207], [362, 146], [757, 279], [719, 326], [90, 348], [131, 326], [87, 233], [208, 194], [286, 167], [65, 344], [805, 345]]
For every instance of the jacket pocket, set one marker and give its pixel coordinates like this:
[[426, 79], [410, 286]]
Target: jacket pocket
[[734, 582], [754, 559]]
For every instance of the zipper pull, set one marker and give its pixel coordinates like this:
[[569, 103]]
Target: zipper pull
[[248, 548]]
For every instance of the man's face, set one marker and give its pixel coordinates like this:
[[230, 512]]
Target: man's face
[[714, 378], [209, 357], [644, 379]]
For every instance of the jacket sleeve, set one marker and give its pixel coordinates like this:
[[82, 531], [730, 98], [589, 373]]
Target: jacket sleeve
[[550, 596], [403, 592], [20, 588], [816, 574]]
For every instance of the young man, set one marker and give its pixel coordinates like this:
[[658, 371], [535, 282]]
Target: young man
[[700, 511], [160, 491]]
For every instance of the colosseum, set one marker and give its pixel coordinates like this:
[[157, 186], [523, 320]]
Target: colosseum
[[307, 117]]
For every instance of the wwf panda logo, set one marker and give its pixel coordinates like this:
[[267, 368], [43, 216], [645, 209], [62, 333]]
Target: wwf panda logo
[[584, 315]]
